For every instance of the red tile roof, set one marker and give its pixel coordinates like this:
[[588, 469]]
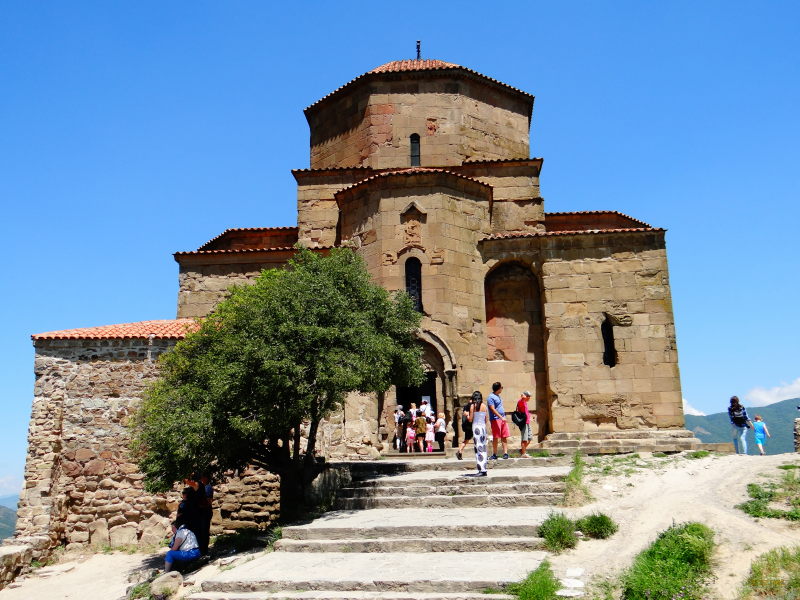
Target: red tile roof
[[245, 250], [511, 236], [166, 329], [412, 171], [424, 64], [233, 230], [421, 66]]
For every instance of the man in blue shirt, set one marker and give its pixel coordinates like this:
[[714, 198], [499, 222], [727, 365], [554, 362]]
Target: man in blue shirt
[[497, 417]]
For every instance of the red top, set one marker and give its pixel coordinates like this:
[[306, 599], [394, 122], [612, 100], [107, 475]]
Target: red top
[[522, 406]]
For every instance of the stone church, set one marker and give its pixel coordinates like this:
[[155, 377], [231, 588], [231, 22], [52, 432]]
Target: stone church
[[422, 167]]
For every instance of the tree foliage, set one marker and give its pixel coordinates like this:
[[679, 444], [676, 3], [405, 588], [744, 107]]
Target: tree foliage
[[283, 351]]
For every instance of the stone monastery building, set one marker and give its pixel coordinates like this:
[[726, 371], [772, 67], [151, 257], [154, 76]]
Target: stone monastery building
[[424, 168]]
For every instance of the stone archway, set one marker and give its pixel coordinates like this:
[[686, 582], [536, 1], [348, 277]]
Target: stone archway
[[515, 336]]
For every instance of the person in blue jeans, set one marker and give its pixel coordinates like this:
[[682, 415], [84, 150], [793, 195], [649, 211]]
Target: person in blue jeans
[[740, 423], [182, 548]]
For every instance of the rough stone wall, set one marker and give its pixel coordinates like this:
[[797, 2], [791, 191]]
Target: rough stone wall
[[623, 278], [203, 285], [317, 211], [456, 118], [81, 487]]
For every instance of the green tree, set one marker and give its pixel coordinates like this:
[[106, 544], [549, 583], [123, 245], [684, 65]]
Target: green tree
[[276, 354]]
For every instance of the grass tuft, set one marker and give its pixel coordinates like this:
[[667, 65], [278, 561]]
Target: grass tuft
[[540, 584], [575, 492], [779, 500], [676, 566], [558, 532], [699, 454], [598, 526], [775, 574]]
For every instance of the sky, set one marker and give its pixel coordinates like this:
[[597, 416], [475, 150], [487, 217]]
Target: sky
[[129, 131]]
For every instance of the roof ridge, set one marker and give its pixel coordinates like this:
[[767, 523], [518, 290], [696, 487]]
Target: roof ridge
[[411, 171], [508, 236], [280, 228], [158, 328], [597, 212]]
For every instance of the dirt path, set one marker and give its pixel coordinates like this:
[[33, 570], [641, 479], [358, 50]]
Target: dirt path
[[705, 490]]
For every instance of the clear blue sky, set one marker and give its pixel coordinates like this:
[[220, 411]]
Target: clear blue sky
[[132, 130]]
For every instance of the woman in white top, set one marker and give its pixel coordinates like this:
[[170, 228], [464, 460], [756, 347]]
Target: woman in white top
[[182, 548], [441, 431]]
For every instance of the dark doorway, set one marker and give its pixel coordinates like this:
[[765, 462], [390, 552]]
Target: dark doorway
[[407, 395]]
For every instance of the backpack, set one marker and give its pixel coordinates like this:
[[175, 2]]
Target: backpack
[[465, 424], [518, 418]]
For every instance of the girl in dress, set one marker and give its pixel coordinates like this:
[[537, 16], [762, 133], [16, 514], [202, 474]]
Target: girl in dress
[[477, 416], [429, 434], [760, 429], [411, 436]]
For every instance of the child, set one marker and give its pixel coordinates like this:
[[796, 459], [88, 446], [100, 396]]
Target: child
[[429, 434], [760, 429], [411, 436]]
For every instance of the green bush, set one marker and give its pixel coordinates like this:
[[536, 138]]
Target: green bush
[[676, 565], [558, 532], [597, 526], [540, 584]]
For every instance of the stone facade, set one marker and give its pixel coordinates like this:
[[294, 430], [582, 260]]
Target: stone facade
[[423, 168], [81, 487]]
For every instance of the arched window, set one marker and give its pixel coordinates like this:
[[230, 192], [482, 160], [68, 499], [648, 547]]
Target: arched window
[[609, 349], [414, 282], [414, 149]]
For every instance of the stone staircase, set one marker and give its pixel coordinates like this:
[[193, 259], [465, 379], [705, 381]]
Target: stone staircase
[[394, 535], [617, 442]]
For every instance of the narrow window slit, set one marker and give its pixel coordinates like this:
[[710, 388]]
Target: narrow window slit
[[609, 349], [414, 282], [414, 149]]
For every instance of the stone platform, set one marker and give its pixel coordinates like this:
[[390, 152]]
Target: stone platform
[[619, 442]]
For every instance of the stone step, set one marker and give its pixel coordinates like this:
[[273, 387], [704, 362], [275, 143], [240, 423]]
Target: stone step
[[623, 435], [453, 489], [402, 531], [527, 476], [453, 572], [347, 595], [369, 470], [513, 499], [414, 455], [413, 543]]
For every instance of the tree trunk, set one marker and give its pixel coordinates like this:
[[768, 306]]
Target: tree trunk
[[309, 461]]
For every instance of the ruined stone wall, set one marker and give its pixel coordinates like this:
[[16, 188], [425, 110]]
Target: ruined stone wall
[[80, 485], [456, 118]]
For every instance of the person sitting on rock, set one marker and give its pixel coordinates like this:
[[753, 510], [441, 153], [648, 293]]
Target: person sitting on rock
[[183, 546]]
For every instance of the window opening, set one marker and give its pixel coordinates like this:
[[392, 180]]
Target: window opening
[[414, 282], [609, 350], [414, 149]]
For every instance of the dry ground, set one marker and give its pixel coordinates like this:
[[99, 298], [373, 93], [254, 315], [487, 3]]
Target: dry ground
[[643, 498]]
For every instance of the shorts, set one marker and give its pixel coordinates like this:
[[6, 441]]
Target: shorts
[[420, 436], [525, 432], [500, 429], [468, 433]]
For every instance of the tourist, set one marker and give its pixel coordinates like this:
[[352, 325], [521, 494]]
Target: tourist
[[466, 429], [413, 411], [420, 426], [189, 509], [183, 546], [441, 431], [524, 425], [477, 416], [497, 418], [411, 436], [429, 434], [740, 423], [760, 430], [399, 416], [205, 503], [425, 407]]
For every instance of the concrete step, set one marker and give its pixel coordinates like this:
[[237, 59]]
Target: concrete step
[[452, 489], [635, 434], [347, 595], [510, 499], [415, 544], [372, 469], [414, 455], [389, 532], [389, 572]]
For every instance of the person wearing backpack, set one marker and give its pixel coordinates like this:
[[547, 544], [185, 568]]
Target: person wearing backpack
[[740, 423], [522, 419], [466, 429]]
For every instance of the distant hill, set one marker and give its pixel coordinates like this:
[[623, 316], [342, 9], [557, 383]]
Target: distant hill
[[10, 501], [779, 418], [8, 520]]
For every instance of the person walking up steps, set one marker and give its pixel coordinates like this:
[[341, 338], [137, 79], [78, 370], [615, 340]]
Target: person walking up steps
[[497, 418], [477, 416], [760, 430], [740, 423]]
